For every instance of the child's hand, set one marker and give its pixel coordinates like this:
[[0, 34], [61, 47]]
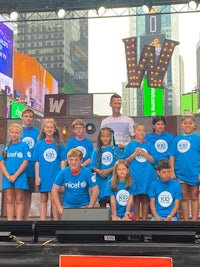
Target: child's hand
[[116, 218], [37, 183]]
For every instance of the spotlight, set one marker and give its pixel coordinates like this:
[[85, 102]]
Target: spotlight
[[61, 12], [146, 7], [14, 15], [193, 4], [101, 11]]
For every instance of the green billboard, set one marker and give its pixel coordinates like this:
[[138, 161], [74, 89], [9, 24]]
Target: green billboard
[[153, 100], [189, 103], [16, 109]]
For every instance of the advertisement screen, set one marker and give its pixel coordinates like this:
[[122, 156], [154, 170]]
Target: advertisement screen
[[6, 56], [189, 103], [32, 81], [16, 109], [153, 100]]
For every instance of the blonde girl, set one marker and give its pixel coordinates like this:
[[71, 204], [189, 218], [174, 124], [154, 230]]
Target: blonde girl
[[49, 157], [13, 163]]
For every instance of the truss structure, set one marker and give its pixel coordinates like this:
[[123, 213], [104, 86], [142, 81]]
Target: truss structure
[[90, 11]]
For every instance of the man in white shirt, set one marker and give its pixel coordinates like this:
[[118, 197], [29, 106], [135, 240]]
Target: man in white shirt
[[122, 125]]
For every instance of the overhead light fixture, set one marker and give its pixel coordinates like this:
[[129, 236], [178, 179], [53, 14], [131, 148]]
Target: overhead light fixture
[[14, 15], [193, 4], [146, 7], [61, 13], [101, 11]]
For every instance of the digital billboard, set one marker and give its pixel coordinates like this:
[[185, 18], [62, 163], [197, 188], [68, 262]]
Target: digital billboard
[[32, 81], [152, 100], [16, 109], [189, 103], [6, 56]]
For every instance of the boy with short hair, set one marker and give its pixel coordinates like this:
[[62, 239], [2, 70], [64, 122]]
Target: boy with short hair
[[165, 194], [80, 141], [29, 136], [80, 187]]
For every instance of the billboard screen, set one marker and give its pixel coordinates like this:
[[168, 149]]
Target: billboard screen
[[189, 103], [6, 56], [16, 109], [153, 100], [32, 81]]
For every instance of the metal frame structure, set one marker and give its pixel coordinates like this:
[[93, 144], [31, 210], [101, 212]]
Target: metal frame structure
[[34, 10]]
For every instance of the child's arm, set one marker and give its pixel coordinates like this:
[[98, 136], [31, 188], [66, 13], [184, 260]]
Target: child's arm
[[174, 211], [55, 198], [172, 160], [86, 162], [93, 196], [153, 209], [37, 176], [21, 168], [128, 208], [62, 164], [114, 209], [146, 155], [4, 169]]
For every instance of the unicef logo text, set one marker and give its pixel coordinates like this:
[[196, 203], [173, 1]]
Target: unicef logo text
[[107, 158], [122, 197], [183, 146], [161, 146], [76, 185], [50, 155], [15, 154]]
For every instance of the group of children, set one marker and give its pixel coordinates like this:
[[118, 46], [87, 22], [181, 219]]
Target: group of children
[[154, 173]]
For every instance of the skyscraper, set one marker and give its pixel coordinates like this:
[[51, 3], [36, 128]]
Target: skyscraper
[[61, 46]]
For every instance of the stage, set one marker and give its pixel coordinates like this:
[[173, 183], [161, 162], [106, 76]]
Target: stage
[[41, 243]]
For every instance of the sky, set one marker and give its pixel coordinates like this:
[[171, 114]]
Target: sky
[[107, 65]]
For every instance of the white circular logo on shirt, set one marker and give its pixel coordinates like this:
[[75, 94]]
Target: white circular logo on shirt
[[161, 146], [140, 157], [122, 197], [107, 158], [30, 141], [83, 184], [183, 146], [20, 155], [50, 154], [94, 177], [165, 199], [82, 149]]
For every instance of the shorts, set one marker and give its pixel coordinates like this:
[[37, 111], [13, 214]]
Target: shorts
[[31, 184]]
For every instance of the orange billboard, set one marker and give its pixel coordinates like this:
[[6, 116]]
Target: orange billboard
[[31, 81]]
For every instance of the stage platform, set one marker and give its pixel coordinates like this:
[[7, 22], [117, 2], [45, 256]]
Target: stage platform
[[41, 243]]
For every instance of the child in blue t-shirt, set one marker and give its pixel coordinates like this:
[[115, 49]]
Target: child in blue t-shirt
[[103, 160], [13, 163], [49, 157], [140, 154], [77, 181], [161, 139], [185, 163], [80, 141], [165, 194], [121, 189]]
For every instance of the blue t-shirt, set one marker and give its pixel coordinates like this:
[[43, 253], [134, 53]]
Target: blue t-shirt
[[76, 192], [121, 196], [165, 194], [85, 146], [49, 157], [30, 135], [140, 168], [186, 152], [109, 157], [16, 155], [162, 144]]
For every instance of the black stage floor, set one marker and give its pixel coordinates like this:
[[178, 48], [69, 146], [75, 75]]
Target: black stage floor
[[41, 243]]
